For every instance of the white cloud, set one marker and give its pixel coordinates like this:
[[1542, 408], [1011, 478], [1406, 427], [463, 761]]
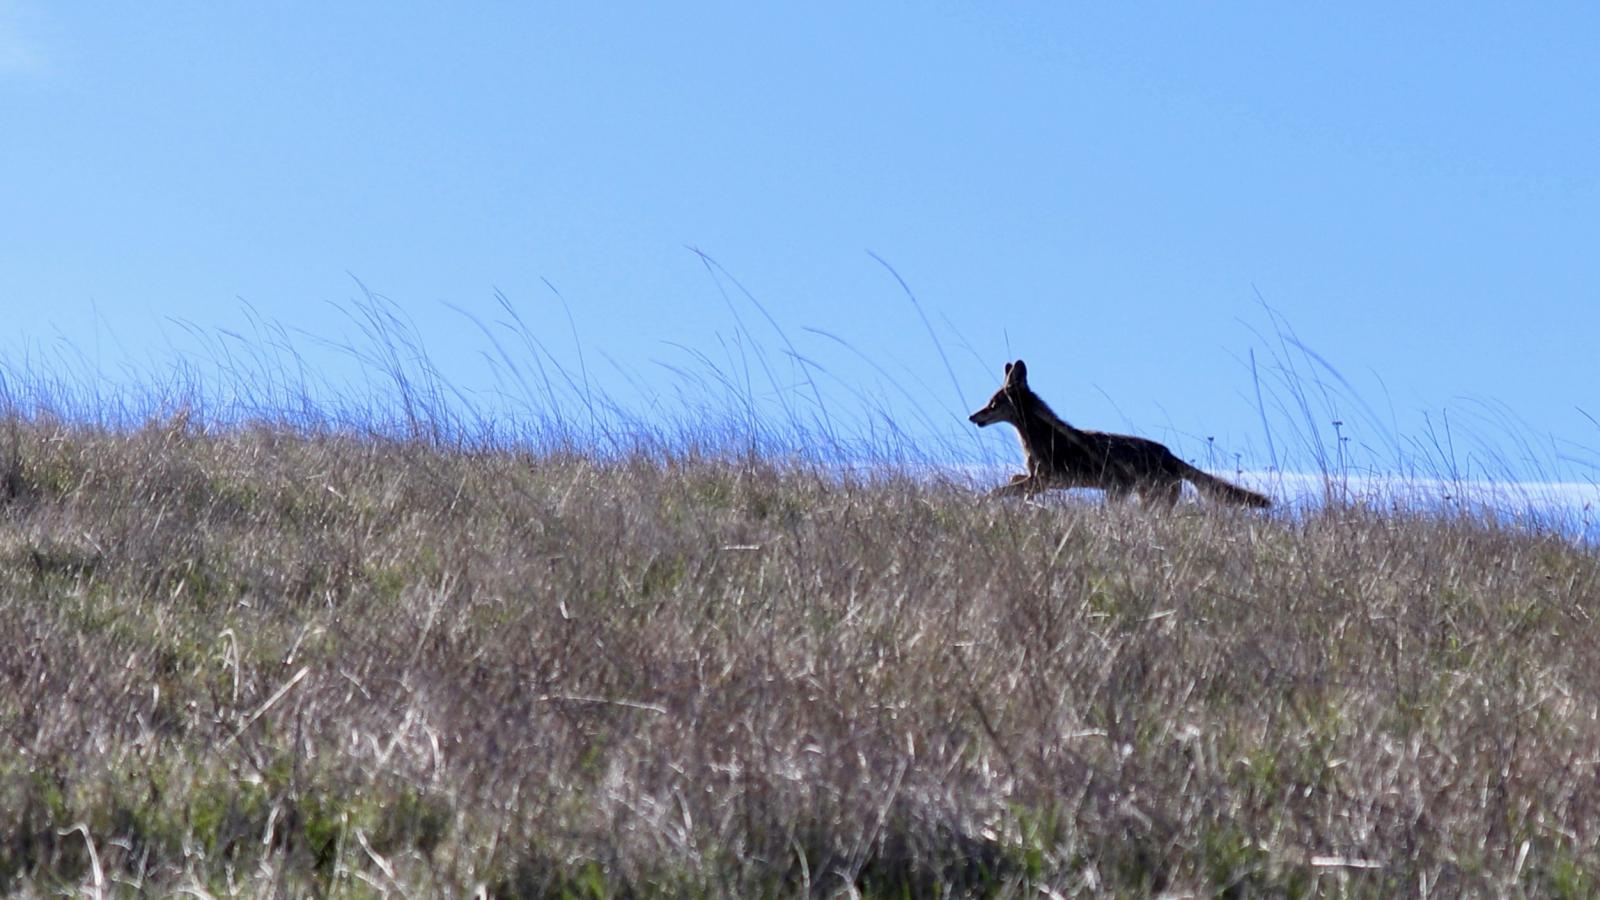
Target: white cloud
[[1566, 507]]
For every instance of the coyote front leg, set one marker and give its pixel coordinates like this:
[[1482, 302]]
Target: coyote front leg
[[1019, 484]]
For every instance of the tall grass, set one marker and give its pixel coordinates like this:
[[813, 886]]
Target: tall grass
[[268, 635]]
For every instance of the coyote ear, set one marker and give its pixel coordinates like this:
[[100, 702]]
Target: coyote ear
[[1017, 371], [1008, 368]]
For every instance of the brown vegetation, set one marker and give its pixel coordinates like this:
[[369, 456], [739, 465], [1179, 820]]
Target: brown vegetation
[[255, 662]]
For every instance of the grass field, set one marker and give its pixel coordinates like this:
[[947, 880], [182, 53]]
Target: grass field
[[255, 661]]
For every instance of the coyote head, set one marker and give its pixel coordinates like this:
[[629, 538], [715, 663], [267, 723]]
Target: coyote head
[[1006, 404]]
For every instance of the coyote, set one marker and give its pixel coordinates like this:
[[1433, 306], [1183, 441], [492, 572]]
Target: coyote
[[1060, 456]]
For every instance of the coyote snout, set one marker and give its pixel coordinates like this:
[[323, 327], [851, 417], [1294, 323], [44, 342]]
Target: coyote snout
[[1061, 456], [998, 409]]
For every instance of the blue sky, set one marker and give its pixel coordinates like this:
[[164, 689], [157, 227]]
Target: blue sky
[[1101, 189]]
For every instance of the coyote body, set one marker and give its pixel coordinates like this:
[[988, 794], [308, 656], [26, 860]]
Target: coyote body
[[1061, 456]]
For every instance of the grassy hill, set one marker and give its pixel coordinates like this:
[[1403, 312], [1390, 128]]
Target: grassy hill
[[259, 662]]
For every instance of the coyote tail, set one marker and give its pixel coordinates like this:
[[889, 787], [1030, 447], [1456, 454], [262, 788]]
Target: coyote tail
[[1226, 491]]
